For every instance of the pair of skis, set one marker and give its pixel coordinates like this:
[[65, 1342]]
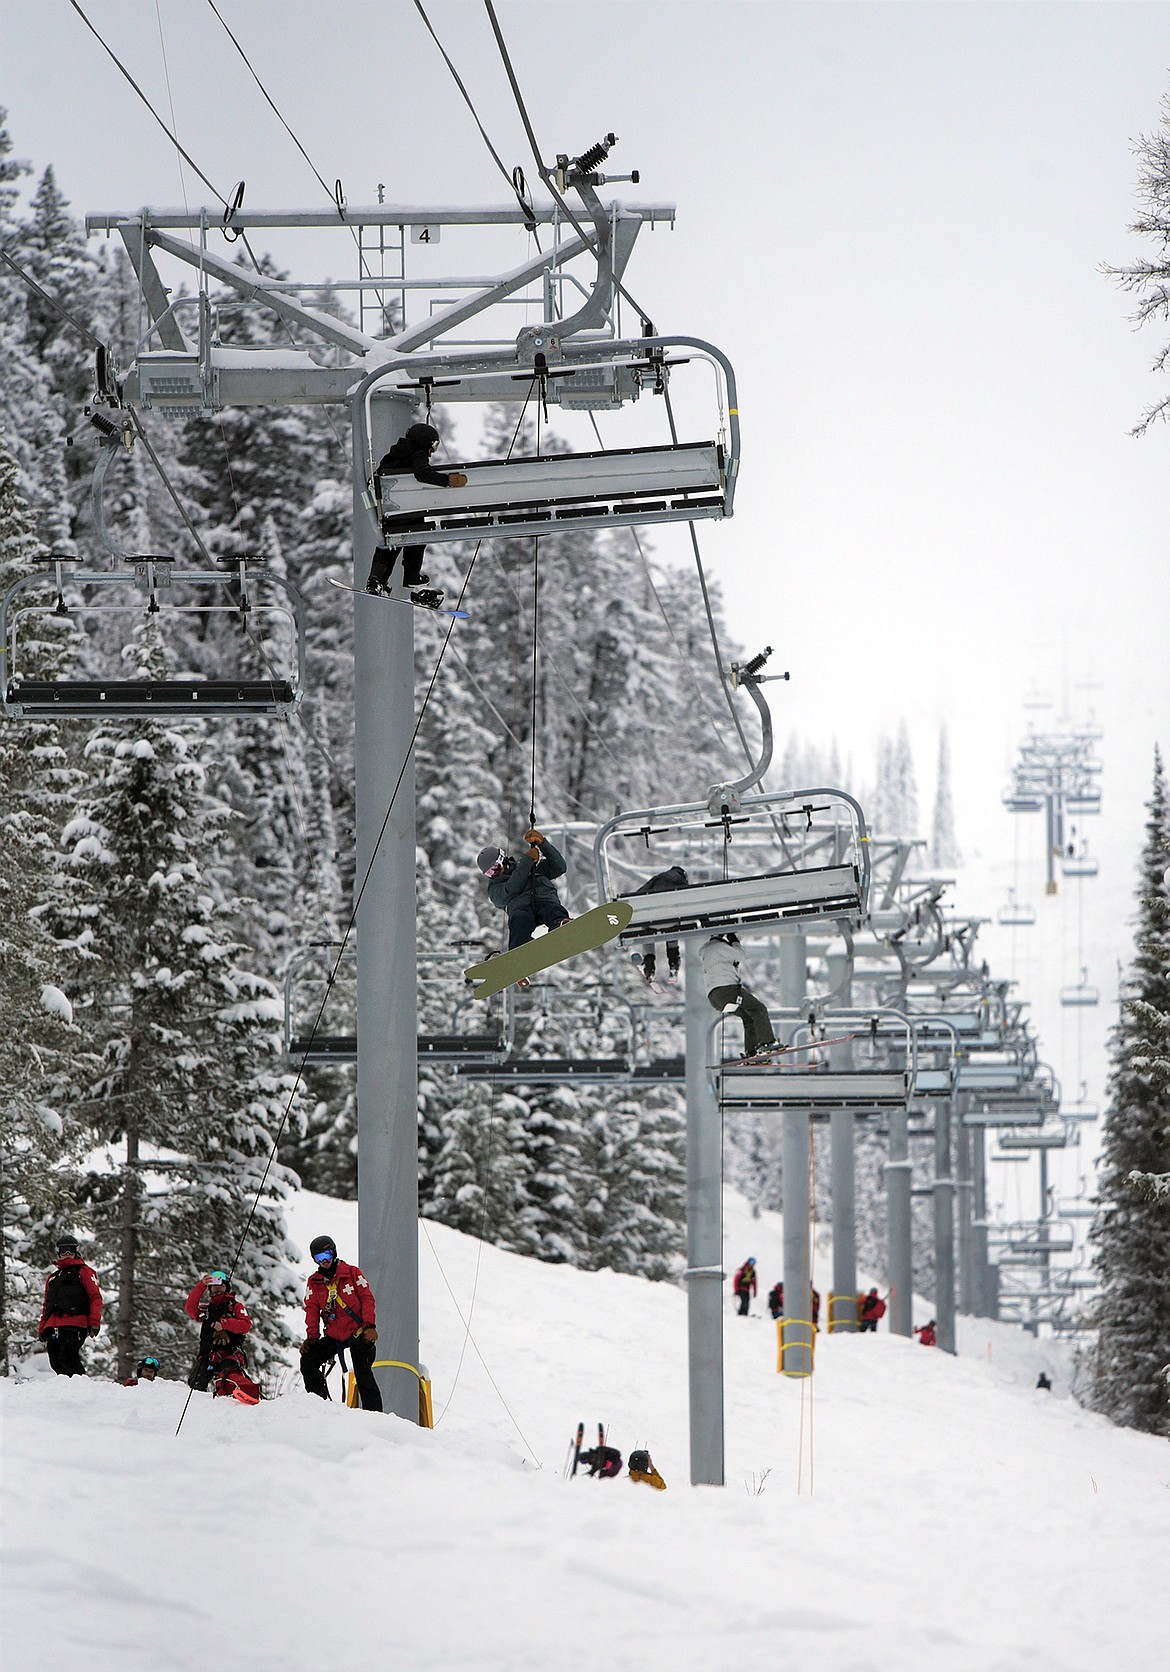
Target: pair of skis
[[575, 1445]]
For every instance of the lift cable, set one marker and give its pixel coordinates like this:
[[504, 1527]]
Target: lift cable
[[186, 155], [171, 104], [82, 330], [516, 178]]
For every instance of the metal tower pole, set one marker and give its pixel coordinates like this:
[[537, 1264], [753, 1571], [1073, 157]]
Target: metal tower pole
[[797, 1153], [704, 1236], [968, 1277], [387, 1071], [898, 1225], [984, 1306], [842, 1137], [944, 1228], [1050, 842]]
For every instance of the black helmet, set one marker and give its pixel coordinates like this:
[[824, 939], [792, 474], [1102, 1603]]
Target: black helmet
[[640, 1462], [67, 1245], [423, 435], [488, 858], [323, 1245]]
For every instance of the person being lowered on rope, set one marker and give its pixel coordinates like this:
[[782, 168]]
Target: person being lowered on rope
[[340, 1303], [223, 1324], [525, 887], [410, 455], [726, 992]]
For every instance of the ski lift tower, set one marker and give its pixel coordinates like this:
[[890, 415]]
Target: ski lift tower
[[1056, 773], [571, 359]]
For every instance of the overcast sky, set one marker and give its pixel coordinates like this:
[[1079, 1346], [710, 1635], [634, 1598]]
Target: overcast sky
[[892, 218]]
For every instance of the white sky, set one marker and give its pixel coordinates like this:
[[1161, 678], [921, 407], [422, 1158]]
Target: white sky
[[891, 217]]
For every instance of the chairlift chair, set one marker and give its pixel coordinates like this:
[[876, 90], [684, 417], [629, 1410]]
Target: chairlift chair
[[244, 591], [1080, 995], [1014, 914]]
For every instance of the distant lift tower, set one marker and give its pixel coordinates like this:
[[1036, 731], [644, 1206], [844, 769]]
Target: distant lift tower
[[1056, 774], [576, 360]]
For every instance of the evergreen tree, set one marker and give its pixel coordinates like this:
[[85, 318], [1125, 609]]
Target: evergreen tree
[[944, 848], [38, 1042], [189, 1090], [1149, 279], [1132, 1228]]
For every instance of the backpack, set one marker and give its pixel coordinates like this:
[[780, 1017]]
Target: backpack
[[66, 1295]]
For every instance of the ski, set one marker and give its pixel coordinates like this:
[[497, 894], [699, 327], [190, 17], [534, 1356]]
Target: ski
[[577, 1447], [763, 1059], [427, 599]]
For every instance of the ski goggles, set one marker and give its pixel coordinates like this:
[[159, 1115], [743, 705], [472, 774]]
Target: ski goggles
[[496, 870], [150, 1364], [326, 1256]]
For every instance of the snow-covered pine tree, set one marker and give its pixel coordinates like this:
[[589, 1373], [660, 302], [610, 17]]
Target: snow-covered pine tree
[[944, 847], [906, 785], [190, 1090], [634, 1159], [38, 1043], [1131, 1233], [1149, 278]]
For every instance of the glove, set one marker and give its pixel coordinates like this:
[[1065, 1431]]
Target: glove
[[534, 835], [221, 1338], [307, 1343], [534, 853], [370, 1333], [457, 479], [93, 1328]]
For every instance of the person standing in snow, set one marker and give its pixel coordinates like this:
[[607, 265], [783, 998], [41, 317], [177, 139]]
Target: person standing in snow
[[525, 888], [870, 1308], [411, 455], [662, 882], [725, 991], [72, 1309], [927, 1334], [745, 1285], [776, 1300], [340, 1304], [223, 1324]]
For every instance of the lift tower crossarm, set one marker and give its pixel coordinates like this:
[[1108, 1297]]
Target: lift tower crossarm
[[155, 293], [258, 290], [380, 214]]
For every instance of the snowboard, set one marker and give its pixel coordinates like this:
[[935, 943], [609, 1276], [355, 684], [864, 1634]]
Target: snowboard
[[763, 1058], [426, 599], [579, 934]]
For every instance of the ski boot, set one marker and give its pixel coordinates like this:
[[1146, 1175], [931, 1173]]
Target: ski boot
[[639, 962], [377, 589]]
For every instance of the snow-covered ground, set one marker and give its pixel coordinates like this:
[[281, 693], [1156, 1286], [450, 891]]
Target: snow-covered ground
[[904, 1511]]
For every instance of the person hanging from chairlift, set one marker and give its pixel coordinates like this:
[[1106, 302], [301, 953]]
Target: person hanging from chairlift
[[525, 888], [662, 882], [410, 455], [726, 992], [223, 1324]]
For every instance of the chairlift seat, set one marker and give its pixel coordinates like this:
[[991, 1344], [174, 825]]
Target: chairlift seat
[[323, 1050], [1053, 1139], [326, 1049], [1089, 801], [749, 1087], [989, 1115], [1017, 917], [661, 1068], [135, 696], [1023, 803], [990, 1076], [1080, 866], [535, 1071], [513, 497], [1079, 996], [826, 891]]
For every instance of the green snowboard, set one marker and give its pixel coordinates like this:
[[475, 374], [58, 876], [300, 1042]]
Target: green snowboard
[[579, 934]]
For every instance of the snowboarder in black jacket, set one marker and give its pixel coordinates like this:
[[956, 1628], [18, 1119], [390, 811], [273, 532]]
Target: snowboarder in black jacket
[[411, 454], [524, 887]]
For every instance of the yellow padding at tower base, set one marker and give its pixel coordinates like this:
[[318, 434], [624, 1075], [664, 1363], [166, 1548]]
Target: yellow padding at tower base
[[785, 1325], [426, 1406]]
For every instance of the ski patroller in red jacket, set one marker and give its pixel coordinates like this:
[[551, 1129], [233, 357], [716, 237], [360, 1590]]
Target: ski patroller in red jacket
[[870, 1306], [227, 1312], [91, 1318], [340, 1305], [745, 1279], [927, 1335]]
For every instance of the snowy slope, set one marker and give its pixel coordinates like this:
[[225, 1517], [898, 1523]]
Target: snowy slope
[[957, 1519]]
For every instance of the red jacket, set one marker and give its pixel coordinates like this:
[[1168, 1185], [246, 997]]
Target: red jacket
[[232, 1318], [343, 1303], [871, 1306], [927, 1335], [73, 1320]]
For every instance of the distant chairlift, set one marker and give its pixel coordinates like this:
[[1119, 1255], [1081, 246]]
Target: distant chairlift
[[1015, 915], [242, 591], [1078, 862], [1080, 994]]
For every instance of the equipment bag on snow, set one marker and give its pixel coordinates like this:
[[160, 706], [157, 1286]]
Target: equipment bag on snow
[[66, 1296]]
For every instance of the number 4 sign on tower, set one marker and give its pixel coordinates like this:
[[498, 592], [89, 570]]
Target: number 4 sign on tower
[[424, 234]]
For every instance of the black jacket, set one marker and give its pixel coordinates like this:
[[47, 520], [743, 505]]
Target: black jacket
[[528, 883], [412, 454], [662, 882]]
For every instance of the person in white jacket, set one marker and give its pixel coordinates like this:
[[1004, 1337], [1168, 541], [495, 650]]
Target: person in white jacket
[[721, 958]]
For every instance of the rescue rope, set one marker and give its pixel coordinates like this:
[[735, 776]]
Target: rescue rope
[[810, 1212]]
